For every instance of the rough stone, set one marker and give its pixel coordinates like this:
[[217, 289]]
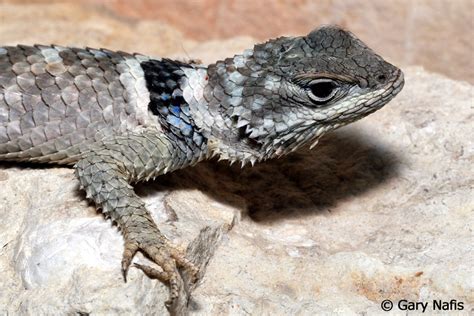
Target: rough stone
[[437, 34]]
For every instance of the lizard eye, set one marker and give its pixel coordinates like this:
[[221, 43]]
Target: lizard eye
[[322, 90]]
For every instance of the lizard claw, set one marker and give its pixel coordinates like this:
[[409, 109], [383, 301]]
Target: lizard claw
[[129, 252], [165, 255], [164, 277]]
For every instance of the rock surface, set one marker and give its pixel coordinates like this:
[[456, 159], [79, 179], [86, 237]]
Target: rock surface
[[437, 34], [381, 209]]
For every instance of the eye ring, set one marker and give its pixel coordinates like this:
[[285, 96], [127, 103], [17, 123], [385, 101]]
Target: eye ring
[[322, 90]]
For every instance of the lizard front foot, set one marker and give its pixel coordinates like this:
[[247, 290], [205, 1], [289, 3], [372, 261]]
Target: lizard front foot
[[162, 252]]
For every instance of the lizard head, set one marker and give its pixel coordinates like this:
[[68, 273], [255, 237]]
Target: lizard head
[[289, 91]]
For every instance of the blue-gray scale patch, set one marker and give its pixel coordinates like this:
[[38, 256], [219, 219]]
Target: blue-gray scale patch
[[167, 102]]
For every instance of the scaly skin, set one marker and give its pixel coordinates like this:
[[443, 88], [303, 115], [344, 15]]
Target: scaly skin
[[122, 118]]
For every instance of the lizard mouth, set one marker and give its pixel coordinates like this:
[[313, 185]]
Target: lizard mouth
[[387, 92], [394, 86], [366, 104]]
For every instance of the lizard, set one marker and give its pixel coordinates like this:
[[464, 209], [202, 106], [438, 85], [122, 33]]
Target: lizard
[[120, 118]]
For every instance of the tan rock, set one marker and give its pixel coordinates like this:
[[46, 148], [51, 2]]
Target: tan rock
[[436, 34]]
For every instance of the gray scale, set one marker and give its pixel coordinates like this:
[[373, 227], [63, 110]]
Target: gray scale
[[163, 79], [55, 98]]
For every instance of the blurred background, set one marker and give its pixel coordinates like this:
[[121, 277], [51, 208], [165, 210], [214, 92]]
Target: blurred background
[[436, 34]]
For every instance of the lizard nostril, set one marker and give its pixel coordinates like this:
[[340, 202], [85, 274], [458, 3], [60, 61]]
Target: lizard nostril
[[381, 78]]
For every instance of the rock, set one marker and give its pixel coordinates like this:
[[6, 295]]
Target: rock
[[381, 209], [435, 34], [69, 24]]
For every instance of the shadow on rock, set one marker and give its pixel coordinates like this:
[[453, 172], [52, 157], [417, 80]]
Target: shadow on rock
[[344, 164]]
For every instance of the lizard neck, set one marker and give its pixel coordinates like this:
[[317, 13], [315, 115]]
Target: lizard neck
[[218, 106], [233, 104], [172, 111]]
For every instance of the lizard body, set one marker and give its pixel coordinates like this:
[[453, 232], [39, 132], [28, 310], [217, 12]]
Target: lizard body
[[121, 118]]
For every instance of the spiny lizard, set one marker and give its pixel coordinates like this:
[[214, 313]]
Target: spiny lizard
[[120, 118]]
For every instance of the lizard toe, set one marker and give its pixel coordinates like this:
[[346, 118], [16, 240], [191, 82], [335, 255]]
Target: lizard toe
[[129, 252]]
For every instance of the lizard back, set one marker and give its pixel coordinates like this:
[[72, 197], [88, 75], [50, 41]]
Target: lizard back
[[54, 100]]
